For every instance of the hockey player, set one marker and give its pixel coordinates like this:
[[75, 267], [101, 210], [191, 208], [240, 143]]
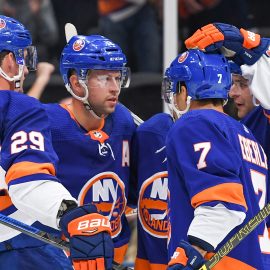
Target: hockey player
[[249, 110], [152, 192], [245, 48], [92, 135], [214, 165], [251, 52], [30, 191]]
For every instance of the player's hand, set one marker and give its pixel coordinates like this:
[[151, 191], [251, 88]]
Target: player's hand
[[186, 257], [242, 46], [89, 233]]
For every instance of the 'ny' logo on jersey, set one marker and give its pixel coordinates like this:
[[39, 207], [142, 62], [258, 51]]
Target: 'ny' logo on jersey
[[107, 192], [153, 205]]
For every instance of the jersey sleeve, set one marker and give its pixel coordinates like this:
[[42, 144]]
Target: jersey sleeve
[[208, 164], [29, 160], [27, 153], [258, 75]]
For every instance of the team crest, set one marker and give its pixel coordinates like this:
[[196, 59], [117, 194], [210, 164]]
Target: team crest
[[107, 192], [104, 148], [2, 24], [153, 205], [78, 45], [183, 57]]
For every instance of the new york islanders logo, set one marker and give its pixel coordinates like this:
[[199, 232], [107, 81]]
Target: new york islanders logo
[[183, 57], [2, 24], [78, 45], [153, 205], [107, 192]]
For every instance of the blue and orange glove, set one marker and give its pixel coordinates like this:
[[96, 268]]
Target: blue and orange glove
[[185, 257], [241, 46], [89, 233]]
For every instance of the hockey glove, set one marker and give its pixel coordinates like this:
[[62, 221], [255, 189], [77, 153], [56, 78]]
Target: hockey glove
[[89, 233], [186, 257], [241, 46]]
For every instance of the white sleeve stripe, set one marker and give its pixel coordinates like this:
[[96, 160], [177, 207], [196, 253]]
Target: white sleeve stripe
[[212, 224], [40, 199]]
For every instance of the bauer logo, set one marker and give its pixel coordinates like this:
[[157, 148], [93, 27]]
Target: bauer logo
[[78, 45], [153, 205], [182, 57], [107, 192], [2, 24]]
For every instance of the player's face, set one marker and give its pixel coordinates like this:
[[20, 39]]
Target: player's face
[[180, 99], [104, 88], [241, 95]]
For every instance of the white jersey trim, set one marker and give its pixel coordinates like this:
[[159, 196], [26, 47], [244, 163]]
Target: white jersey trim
[[40, 199], [212, 224]]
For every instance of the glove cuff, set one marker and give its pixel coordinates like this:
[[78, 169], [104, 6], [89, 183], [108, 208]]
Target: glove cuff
[[179, 257]]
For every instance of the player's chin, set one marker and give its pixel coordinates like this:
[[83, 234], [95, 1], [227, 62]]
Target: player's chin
[[108, 110], [111, 106], [241, 113]]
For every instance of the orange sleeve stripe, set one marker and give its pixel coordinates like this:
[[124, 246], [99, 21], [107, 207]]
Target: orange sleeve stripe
[[227, 263], [5, 202], [26, 168], [229, 192], [119, 253], [146, 265]]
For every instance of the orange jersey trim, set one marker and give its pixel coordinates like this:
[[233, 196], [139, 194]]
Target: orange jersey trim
[[5, 202], [65, 106], [119, 253], [146, 265], [229, 263], [229, 192], [26, 168]]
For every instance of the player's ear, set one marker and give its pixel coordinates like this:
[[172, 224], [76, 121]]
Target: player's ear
[[183, 91], [8, 64], [75, 84]]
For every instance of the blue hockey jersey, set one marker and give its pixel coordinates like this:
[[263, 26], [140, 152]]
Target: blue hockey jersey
[[152, 181], [95, 166], [258, 122], [27, 154], [214, 159]]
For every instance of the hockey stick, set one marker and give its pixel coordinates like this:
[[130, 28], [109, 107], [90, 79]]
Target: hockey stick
[[71, 31], [137, 120], [237, 238], [44, 236]]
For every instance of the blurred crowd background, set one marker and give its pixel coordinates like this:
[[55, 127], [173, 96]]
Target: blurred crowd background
[[136, 25]]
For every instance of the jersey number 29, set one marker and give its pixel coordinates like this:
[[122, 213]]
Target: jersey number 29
[[22, 140]]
